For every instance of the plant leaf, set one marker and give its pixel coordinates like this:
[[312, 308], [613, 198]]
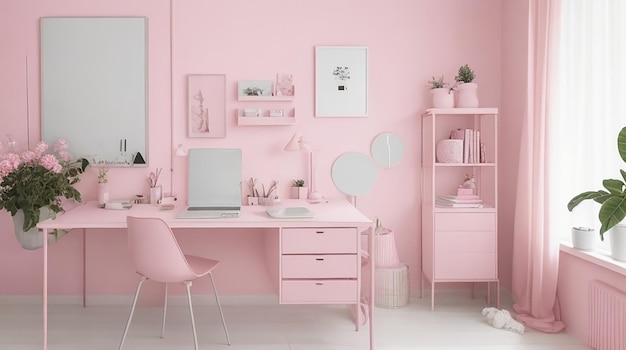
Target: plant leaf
[[584, 196], [615, 187], [621, 143], [612, 212]]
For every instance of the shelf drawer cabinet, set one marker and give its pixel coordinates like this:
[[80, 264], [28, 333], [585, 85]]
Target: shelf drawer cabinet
[[319, 266], [460, 240]]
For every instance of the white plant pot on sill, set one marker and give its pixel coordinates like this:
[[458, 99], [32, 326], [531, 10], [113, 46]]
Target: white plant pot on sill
[[583, 238], [617, 235], [442, 98]]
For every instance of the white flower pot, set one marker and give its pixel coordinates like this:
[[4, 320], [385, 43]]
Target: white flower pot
[[583, 238], [467, 96], [33, 238], [442, 98], [617, 235]]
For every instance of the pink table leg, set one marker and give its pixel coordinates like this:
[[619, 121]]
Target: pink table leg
[[45, 289]]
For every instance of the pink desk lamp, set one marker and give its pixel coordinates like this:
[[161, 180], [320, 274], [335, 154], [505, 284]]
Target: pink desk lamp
[[297, 143]]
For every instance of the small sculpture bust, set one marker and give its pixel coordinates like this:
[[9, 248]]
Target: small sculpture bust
[[469, 181]]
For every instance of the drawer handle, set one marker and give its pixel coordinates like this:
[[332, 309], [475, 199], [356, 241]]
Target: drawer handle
[[319, 232], [319, 283], [319, 259]]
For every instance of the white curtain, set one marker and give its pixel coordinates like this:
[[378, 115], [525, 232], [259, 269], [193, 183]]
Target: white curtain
[[590, 108]]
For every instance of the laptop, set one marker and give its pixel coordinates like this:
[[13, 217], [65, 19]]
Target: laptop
[[214, 184]]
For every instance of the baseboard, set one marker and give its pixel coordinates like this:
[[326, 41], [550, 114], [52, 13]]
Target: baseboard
[[113, 300]]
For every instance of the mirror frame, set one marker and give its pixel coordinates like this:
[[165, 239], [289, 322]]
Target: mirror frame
[[94, 87]]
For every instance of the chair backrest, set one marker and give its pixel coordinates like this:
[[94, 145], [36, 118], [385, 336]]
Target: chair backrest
[[155, 252]]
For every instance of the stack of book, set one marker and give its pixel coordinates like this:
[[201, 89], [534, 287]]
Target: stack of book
[[462, 201]]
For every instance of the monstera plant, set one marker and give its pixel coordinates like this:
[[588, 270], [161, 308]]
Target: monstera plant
[[612, 198]]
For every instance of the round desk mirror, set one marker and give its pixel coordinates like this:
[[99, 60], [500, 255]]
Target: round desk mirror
[[354, 173], [387, 150]]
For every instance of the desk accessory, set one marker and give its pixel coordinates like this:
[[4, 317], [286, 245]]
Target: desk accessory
[[297, 143], [118, 205], [290, 213]]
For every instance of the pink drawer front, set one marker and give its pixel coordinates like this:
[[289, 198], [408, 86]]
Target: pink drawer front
[[319, 240], [319, 266], [319, 292], [465, 221], [468, 241], [465, 266]]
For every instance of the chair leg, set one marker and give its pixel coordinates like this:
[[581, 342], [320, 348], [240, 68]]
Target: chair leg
[[193, 323], [219, 307], [132, 310], [164, 313]]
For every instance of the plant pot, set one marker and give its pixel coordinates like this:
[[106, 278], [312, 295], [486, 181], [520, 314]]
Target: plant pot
[[618, 242], [467, 96], [33, 238], [442, 98], [583, 238]]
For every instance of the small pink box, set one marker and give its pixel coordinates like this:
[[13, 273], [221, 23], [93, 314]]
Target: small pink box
[[464, 191]]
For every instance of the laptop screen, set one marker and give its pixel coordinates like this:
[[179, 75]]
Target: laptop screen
[[214, 178]]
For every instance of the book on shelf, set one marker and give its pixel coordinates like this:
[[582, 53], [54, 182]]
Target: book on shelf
[[447, 204], [472, 147], [460, 199]]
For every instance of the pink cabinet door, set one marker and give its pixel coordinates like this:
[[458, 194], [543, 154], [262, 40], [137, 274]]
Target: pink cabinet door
[[319, 292], [319, 240], [319, 266], [465, 255]]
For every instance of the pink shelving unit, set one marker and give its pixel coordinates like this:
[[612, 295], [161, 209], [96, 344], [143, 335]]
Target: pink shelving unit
[[460, 244]]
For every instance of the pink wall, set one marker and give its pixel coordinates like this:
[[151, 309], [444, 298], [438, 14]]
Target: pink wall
[[408, 42]]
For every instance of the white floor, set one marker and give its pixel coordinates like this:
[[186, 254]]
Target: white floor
[[456, 323]]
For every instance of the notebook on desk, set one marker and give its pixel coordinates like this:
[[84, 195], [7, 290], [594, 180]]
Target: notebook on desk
[[214, 184]]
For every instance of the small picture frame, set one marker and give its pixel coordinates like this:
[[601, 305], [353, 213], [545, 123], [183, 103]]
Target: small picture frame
[[256, 88], [284, 84], [206, 106]]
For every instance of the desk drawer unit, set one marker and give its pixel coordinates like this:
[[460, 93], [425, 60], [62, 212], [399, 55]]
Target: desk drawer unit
[[319, 266]]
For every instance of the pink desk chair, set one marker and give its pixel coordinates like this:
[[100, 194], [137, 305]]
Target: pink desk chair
[[156, 255]]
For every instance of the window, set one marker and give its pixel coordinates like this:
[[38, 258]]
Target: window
[[589, 109]]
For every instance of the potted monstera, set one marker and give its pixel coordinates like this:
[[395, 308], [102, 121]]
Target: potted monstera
[[612, 201]]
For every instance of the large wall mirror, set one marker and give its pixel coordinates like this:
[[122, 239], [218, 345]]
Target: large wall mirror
[[94, 87]]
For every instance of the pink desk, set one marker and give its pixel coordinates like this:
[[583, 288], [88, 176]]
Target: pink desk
[[339, 224]]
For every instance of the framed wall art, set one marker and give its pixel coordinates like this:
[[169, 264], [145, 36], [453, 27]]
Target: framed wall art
[[206, 101], [341, 81]]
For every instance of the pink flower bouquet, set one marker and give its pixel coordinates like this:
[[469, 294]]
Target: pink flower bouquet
[[35, 179]]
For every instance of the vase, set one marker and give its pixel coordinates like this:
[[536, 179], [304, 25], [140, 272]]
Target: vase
[[33, 238], [618, 242], [442, 98], [103, 194], [155, 194], [450, 151], [468, 95]]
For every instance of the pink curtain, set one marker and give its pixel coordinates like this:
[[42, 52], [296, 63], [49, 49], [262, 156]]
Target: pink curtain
[[535, 249]]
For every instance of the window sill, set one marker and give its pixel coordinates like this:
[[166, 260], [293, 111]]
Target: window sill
[[595, 257]]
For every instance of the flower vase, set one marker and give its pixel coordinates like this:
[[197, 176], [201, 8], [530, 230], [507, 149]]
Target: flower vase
[[33, 238], [155, 194], [103, 194]]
